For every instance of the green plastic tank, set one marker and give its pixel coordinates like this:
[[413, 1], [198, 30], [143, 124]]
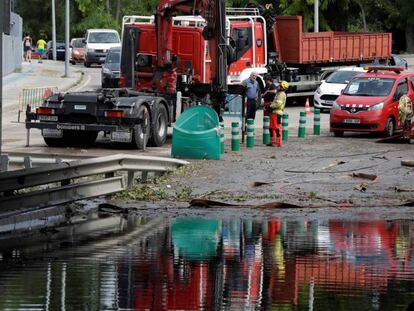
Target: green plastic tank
[[196, 134]]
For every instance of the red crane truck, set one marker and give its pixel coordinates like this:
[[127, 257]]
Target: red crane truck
[[263, 44]]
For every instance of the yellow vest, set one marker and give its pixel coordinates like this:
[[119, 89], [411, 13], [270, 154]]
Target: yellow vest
[[279, 103]]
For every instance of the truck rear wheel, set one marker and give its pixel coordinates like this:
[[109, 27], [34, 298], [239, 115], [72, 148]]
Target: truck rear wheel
[[159, 127], [72, 138], [142, 130]]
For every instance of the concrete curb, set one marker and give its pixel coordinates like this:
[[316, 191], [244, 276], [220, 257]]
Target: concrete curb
[[76, 83]]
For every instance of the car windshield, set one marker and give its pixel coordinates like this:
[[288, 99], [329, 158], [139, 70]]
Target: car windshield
[[113, 57], [103, 37], [78, 43], [342, 77], [369, 86]]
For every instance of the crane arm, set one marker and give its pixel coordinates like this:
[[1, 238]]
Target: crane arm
[[213, 11]]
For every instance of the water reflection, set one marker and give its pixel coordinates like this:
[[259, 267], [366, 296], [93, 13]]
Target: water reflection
[[219, 264]]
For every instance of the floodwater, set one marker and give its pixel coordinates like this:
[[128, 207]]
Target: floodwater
[[201, 263]]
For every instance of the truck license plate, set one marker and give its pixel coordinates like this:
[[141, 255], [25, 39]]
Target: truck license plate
[[121, 136], [52, 133], [47, 118], [80, 107], [352, 121]]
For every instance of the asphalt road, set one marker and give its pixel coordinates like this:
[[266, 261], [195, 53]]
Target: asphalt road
[[82, 79]]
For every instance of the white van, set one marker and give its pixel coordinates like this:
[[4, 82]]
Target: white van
[[97, 44]]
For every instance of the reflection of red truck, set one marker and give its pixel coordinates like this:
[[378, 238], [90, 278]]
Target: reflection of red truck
[[281, 49]]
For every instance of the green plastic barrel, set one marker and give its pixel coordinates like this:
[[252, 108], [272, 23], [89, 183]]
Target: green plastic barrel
[[196, 238], [196, 134]]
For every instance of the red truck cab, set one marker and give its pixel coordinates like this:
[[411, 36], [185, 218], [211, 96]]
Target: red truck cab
[[369, 103]]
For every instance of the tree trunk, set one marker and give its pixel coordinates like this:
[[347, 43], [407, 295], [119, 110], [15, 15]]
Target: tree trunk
[[108, 7], [118, 11], [363, 16], [409, 37]]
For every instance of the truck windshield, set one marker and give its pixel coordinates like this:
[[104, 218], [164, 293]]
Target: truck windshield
[[103, 37], [369, 86], [342, 77]]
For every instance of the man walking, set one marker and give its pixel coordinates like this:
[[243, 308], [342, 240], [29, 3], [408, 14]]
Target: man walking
[[252, 91], [41, 46]]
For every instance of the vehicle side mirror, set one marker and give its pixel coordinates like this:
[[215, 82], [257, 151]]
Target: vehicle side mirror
[[342, 91]]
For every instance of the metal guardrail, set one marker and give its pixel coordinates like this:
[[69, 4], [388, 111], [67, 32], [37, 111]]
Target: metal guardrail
[[79, 179], [34, 97]]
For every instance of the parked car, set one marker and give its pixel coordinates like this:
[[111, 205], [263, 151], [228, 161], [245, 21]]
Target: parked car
[[331, 88], [97, 44], [111, 68], [77, 50], [369, 103], [396, 60], [60, 50]]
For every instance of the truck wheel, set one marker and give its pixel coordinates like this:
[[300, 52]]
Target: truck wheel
[[159, 127], [141, 131], [389, 128], [54, 142], [83, 138], [339, 133]]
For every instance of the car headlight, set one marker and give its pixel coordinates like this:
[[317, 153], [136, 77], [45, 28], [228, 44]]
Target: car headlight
[[335, 105], [378, 106], [318, 90], [106, 70]]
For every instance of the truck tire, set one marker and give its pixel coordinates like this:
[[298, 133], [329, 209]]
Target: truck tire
[[159, 127], [72, 138], [54, 142], [389, 127], [141, 132]]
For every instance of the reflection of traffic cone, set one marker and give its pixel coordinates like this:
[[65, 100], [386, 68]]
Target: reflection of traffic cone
[[307, 107]]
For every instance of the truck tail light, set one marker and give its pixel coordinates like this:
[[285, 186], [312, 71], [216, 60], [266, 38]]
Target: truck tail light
[[47, 111], [114, 113], [123, 81]]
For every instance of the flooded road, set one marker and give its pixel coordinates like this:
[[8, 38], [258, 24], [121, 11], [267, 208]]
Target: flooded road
[[206, 263]]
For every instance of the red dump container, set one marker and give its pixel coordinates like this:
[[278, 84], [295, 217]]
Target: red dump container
[[297, 47]]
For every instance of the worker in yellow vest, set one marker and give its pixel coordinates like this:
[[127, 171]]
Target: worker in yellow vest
[[277, 106]]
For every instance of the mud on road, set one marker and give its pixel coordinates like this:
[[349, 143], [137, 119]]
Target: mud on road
[[311, 173]]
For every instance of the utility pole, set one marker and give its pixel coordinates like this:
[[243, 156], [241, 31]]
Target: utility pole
[[54, 29], [316, 15], [67, 40]]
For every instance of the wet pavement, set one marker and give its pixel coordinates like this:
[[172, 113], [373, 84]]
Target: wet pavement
[[210, 261]]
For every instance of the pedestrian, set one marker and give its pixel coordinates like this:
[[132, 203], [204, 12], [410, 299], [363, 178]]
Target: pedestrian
[[269, 94], [277, 107], [252, 92], [27, 47], [41, 46]]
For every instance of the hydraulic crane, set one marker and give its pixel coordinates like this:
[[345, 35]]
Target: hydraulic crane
[[214, 12]]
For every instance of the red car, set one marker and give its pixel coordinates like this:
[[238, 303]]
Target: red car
[[369, 103]]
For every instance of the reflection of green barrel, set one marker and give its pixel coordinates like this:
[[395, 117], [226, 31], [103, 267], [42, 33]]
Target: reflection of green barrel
[[222, 137], [250, 133], [195, 238], [266, 132], [285, 124], [317, 122], [235, 138], [302, 125]]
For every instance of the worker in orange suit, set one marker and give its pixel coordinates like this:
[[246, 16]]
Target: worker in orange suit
[[277, 107]]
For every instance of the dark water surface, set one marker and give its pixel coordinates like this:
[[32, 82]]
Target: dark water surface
[[114, 263]]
